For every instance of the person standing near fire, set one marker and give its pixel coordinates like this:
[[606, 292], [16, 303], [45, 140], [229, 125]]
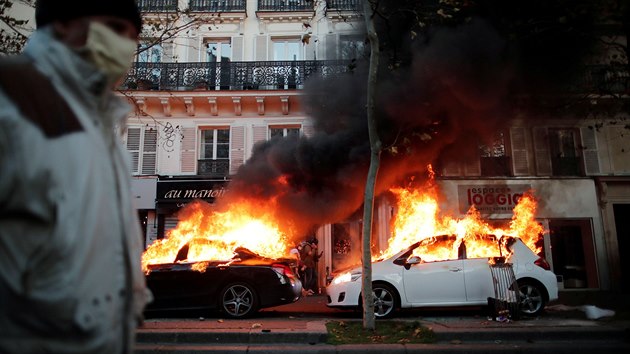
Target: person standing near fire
[[70, 244], [310, 257]]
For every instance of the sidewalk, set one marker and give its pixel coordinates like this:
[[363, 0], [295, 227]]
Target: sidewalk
[[562, 329]]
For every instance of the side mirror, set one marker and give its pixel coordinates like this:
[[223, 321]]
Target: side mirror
[[411, 261]]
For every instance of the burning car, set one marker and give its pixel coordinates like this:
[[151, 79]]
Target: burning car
[[238, 287], [415, 277]]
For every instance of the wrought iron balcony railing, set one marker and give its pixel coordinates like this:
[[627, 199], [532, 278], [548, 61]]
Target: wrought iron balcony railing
[[157, 5], [217, 5], [344, 5], [285, 5], [218, 168], [604, 79], [265, 75]]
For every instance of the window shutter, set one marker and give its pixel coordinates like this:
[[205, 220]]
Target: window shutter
[[149, 151], [310, 49], [237, 148], [331, 47], [188, 143], [237, 48], [520, 164], [541, 151], [261, 48], [260, 133], [167, 56], [193, 49], [589, 151], [308, 130], [451, 168], [133, 146], [170, 223]]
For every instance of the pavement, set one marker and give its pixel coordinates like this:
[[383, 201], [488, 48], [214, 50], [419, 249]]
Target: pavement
[[565, 327]]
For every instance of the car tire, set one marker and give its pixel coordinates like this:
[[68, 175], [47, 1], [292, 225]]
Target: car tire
[[385, 301], [532, 299], [238, 300]]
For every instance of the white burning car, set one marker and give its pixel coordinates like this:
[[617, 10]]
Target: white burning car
[[409, 280]]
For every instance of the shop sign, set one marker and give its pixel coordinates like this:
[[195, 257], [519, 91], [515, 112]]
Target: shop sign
[[178, 193], [490, 198]]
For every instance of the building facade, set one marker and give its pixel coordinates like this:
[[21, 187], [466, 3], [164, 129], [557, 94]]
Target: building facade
[[233, 75]]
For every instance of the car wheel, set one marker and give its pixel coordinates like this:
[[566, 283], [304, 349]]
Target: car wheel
[[384, 300], [238, 300], [531, 298]]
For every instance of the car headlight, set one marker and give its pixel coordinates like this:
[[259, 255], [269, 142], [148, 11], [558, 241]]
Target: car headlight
[[346, 277]]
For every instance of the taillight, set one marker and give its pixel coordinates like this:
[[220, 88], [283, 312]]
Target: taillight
[[542, 263], [284, 270]]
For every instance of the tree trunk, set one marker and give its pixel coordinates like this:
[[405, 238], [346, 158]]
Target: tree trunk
[[375, 153]]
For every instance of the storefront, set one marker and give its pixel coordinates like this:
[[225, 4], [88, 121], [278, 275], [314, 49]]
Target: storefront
[[568, 209], [172, 194]]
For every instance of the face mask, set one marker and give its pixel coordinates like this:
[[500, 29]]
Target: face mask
[[108, 51]]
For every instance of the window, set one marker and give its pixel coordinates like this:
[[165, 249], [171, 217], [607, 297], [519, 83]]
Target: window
[[284, 131], [352, 47], [564, 156], [219, 55], [215, 152], [142, 145], [493, 159], [286, 49], [150, 53]]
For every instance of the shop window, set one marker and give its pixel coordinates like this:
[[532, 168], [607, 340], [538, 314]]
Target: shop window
[[214, 159], [219, 56], [346, 244], [284, 131], [573, 253], [493, 158]]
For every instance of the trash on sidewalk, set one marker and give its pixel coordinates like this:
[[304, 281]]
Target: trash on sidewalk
[[592, 312]]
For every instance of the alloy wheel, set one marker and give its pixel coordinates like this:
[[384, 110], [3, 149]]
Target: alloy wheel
[[238, 300]]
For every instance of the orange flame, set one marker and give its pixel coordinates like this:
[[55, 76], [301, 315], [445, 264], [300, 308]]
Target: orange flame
[[417, 218], [214, 235]]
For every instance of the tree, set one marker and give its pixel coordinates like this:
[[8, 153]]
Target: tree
[[375, 153]]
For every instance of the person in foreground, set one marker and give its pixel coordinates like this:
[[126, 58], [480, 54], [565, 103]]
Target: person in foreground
[[70, 246]]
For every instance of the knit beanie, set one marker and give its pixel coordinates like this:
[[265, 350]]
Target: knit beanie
[[47, 11]]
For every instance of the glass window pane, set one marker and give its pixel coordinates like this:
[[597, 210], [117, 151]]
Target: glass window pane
[[223, 151], [293, 51], [223, 135], [276, 132], [293, 132], [208, 136], [226, 52]]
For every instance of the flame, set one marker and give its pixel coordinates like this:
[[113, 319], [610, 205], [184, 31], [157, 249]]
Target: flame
[[215, 235], [418, 219]]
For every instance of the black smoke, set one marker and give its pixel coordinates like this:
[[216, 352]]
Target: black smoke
[[442, 90]]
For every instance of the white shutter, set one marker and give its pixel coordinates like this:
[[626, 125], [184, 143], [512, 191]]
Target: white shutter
[[237, 148], [168, 48], [188, 144], [451, 168], [520, 163], [170, 223], [331, 47], [589, 151], [237, 48], [308, 130], [541, 151], [261, 48], [133, 146], [260, 133], [149, 151], [193, 50]]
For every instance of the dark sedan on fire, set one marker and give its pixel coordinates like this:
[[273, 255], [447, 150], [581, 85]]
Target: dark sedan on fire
[[238, 287]]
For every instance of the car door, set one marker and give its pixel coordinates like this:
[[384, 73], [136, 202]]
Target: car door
[[435, 283], [478, 280]]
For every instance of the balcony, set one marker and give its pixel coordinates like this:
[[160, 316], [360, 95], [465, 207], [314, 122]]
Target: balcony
[[604, 79], [344, 5], [285, 5], [213, 168], [266, 75], [157, 5], [217, 5]]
